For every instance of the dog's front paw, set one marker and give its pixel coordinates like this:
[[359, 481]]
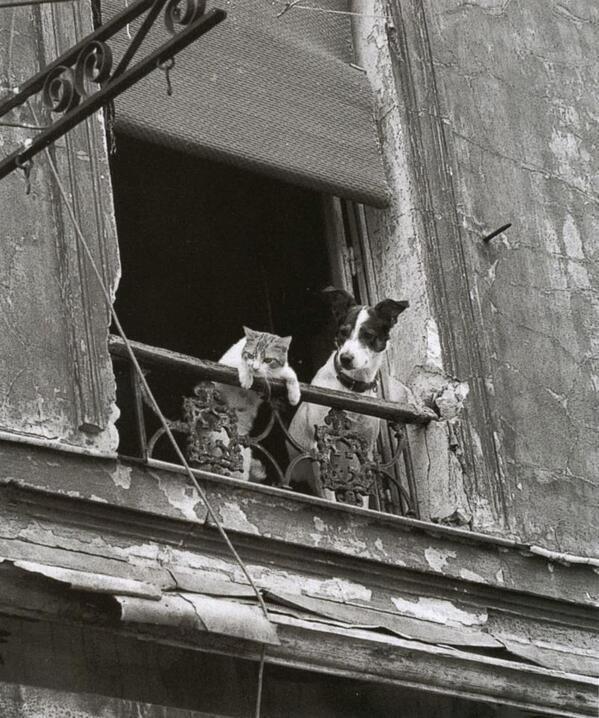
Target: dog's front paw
[[293, 393]]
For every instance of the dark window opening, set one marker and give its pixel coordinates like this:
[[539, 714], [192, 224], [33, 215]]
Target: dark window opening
[[205, 249]]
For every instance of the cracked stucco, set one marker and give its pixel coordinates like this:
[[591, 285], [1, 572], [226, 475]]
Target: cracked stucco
[[440, 611], [56, 382], [520, 125], [415, 361]]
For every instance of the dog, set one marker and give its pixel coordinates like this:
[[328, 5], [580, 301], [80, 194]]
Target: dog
[[361, 339]]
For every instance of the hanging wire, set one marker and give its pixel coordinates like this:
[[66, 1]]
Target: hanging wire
[[294, 5], [25, 3], [143, 381], [260, 682], [23, 125]]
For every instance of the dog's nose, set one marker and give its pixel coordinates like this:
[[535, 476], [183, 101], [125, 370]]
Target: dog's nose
[[346, 360]]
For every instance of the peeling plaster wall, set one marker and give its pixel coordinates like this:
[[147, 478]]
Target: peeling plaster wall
[[56, 381], [514, 80], [398, 260], [514, 85]]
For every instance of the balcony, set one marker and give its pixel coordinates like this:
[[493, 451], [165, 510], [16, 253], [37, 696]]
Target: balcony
[[211, 441]]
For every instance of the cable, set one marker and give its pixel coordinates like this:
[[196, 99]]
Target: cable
[[25, 3], [293, 5], [260, 682], [22, 125], [142, 378]]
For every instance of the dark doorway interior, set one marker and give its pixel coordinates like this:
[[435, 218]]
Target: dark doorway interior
[[207, 248]]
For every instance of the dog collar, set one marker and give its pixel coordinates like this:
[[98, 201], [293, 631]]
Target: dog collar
[[352, 384]]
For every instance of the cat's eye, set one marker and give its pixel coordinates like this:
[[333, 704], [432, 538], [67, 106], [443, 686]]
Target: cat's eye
[[270, 360]]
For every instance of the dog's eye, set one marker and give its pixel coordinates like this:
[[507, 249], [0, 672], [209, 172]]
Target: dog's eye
[[344, 331]]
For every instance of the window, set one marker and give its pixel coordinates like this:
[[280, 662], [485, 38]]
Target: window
[[206, 249]]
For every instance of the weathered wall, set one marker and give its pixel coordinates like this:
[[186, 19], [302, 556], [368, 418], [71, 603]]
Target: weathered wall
[[497, 123], [398, 265], [55, 375], [514, 80]]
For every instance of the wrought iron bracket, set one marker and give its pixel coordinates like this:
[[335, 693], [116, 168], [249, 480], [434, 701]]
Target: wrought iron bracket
[[65, 83]]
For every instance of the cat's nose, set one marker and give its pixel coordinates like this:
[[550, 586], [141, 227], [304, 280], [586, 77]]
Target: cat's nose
[[346, 359]]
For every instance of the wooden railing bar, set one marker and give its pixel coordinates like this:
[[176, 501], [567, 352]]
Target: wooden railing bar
[[204, 369]]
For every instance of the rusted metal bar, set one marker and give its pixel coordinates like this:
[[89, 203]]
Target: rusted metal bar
[[497, 231], [112, 89], [24, 3], [139, 413], [139, 38], [107, 30], [201, 368]]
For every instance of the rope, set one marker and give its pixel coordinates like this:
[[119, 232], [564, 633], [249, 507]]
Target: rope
[[260, 682], [142, 378], [293, 5]]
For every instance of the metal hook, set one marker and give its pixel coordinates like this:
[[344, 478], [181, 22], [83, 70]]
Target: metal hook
[[26, 166], [166, 67]]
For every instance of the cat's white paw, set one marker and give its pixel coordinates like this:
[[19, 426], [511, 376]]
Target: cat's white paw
[[246, 378], [246, 381], [293, 393]]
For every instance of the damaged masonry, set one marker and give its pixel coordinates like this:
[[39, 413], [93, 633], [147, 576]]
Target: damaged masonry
[[434, 549]]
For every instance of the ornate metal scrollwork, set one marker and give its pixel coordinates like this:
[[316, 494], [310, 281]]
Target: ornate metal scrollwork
[[213, 441], [67, 83], [182, 13], [64, 87], [343, 458]]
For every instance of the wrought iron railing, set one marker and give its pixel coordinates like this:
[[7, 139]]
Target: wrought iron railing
[[343, 462]]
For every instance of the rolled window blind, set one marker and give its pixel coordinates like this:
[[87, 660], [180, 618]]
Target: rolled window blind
[[272, 94]]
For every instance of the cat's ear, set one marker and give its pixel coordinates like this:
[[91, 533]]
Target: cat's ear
[[249, 333], [339, 301], [388, 310], [284, 342]]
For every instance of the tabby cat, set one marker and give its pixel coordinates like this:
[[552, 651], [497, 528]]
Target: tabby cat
[[257, 354]]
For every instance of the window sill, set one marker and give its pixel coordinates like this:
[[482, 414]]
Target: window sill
[[158, 502]]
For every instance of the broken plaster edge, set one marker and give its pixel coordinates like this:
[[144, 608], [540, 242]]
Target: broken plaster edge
[[55, 445]]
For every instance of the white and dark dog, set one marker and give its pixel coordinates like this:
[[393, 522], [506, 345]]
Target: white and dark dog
[[361, 339]]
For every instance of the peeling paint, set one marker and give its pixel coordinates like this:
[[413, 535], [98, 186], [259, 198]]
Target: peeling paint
[[440, 611], [450, 401], [438, 559], [433, 355], [319, 524], [180, 496], [231, 514], [471, 576], [335, 589], [122, 476]]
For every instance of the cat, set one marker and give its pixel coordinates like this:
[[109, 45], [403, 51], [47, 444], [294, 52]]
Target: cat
[[257, 354]]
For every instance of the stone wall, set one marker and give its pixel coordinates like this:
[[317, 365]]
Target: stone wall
[[56, 382], [487, 116]]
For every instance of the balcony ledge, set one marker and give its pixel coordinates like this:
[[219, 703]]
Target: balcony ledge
[[158, 500]]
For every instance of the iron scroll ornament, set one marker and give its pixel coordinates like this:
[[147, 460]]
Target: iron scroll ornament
[[67, 84], [343, 461]]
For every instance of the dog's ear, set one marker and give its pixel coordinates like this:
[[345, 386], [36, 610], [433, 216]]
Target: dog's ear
[[339, 301], [389, 310]]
